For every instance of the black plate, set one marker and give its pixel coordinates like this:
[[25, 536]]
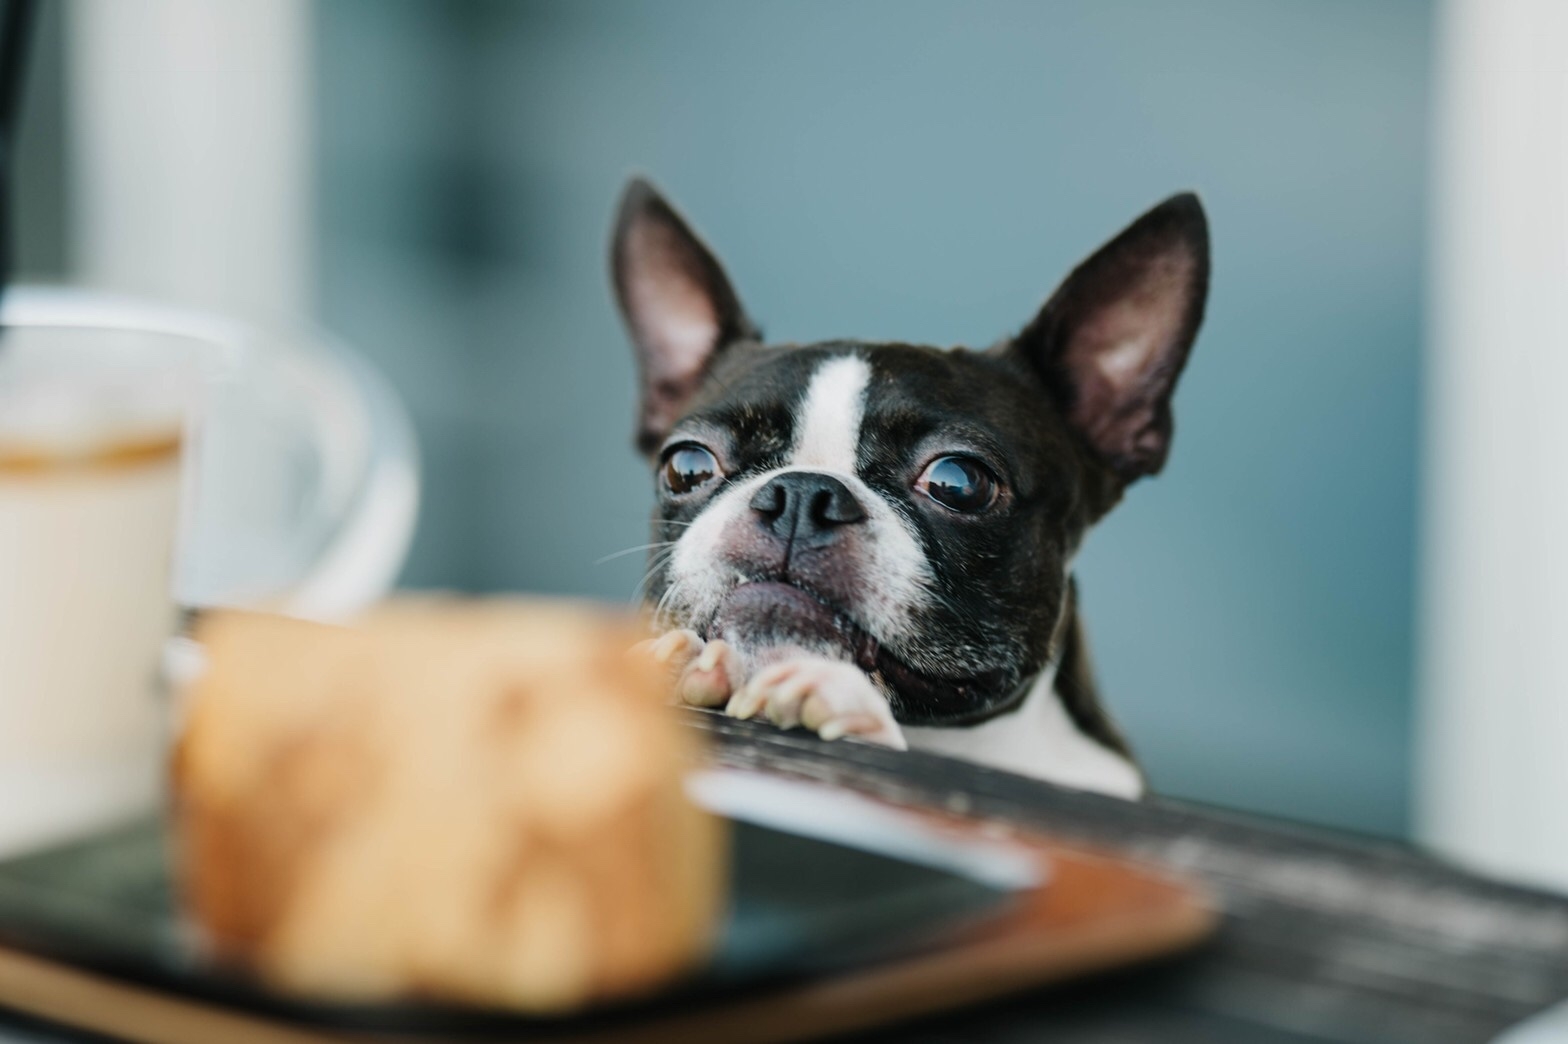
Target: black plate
[[800, 907]]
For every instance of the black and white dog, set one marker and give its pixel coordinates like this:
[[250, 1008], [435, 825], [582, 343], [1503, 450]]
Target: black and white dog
[[876, 539]]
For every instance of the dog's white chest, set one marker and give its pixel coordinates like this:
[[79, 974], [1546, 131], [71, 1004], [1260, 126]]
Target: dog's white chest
[[1039, 739]]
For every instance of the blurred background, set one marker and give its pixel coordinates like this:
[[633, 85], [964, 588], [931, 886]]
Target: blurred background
[[433, 181]]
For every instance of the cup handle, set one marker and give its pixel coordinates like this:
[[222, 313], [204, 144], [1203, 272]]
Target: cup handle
[[367, 447]]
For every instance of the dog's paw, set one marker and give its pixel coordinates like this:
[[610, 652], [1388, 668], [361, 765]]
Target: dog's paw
[[830, 698], [705, 673]]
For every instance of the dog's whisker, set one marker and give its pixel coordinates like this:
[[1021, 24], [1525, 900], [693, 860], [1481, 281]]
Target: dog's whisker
[[637, 600], [661, 610], [633, 550], [640, 589], [658, 562]]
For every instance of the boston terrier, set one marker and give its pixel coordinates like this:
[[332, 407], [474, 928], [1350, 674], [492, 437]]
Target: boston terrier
[[875, 539]]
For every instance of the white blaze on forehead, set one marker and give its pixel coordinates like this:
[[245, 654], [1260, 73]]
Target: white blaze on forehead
[[827, 426]]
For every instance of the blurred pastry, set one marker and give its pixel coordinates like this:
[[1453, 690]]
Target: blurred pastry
[[478, 802]]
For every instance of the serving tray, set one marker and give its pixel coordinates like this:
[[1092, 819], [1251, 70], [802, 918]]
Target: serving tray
[[846, 913]]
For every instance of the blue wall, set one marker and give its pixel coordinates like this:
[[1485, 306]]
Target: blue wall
[[928, 171]]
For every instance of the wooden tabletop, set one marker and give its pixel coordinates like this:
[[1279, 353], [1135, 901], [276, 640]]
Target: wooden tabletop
[[1324, 936]]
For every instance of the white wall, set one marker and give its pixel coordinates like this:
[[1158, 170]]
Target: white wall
[[1492, 779], [189, 124]]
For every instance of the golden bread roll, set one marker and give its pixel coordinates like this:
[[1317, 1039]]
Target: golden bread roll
[[464, 801]]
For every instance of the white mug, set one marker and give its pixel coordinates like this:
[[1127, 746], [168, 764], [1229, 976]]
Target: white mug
[[153, 458]]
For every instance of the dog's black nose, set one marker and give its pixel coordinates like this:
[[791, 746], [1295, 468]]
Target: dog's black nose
[[805, 504]]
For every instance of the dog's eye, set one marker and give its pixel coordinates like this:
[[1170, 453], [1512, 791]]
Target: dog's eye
[[688, 466], [961, 484]]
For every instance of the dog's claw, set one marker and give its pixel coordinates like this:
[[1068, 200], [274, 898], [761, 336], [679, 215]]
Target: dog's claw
[[672, 649], [709, 678], [747, 702], [831, 698]]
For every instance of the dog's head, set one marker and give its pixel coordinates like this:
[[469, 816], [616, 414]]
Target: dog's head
[[911, 509]]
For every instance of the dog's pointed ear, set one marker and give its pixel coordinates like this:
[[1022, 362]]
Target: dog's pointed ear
[[1112, 340], [677, 303]]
